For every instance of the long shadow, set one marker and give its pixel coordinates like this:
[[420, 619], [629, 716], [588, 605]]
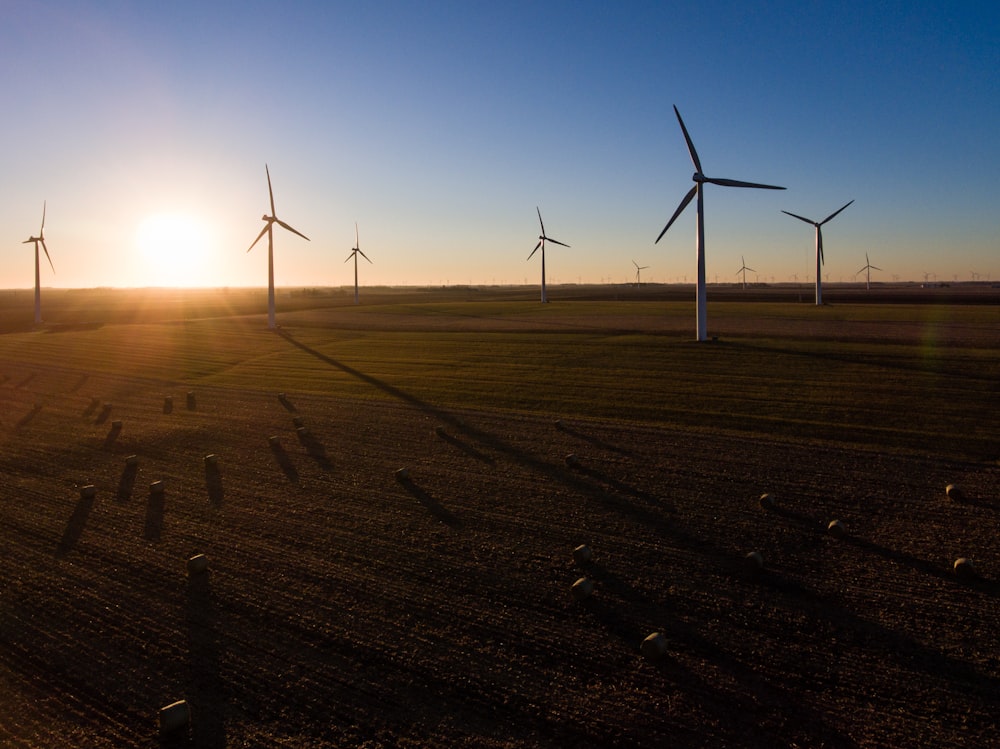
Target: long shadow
[[127, 482], [26, 381], [919, 565], [168, 404], [621, 487], [595, 441], [75, 526], [103, 415], [116, 429], [431, 504], [284, 461], [289, 406], [465, 448], [89, 410], [80, 383], [314, 448], [28, 417], [213, 483], [154, 516], [206, 690]]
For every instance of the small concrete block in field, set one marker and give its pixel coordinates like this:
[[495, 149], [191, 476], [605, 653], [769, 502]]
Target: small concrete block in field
[[197, 565], [965, 569], [572, 461], [191, 403], [402, 474], [297, 421], [654, 647], [132, 460], [753, 562], [274, 441], [175, 719], [88, 491], [582, 589], [836, 529], [168, 404], [954, 493], [582, 554], [767, 501], [212, 459], [117, 424], [157, 487]]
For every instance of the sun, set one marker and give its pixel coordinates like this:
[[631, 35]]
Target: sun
[[176, 250]]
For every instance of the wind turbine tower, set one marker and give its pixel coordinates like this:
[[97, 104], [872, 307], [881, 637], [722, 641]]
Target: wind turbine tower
[[354, 253], [542, 239], [269, 223], [40, 239], [868, 272], [638, 270], [744, 270], [699, 181], [819, 246]]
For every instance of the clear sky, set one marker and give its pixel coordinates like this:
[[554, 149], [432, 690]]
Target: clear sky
[[440, 126]]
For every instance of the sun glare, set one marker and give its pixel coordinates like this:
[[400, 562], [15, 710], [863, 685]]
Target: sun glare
[[176, 250]]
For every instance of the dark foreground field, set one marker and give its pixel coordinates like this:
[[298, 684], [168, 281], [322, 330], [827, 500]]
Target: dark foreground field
[[347, 607]]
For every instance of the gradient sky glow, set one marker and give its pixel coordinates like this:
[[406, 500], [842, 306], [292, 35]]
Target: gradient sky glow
[[440, 126]]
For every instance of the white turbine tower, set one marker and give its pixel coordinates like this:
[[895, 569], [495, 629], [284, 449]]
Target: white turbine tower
[[354, 253], [868, 272], [699, 182], [542, 239], [819, 246], [744, 270], [270, 221], [638, 270], [40, 239]]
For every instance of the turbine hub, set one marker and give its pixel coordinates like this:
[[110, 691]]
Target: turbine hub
[[698, 177]]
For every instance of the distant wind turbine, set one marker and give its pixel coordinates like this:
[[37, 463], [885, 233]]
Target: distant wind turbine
[[354, 253], [868, 272], [744, 270], [819, 246], [542, 239], [270, 221], [638, 270], [699, 181], [40, 239]]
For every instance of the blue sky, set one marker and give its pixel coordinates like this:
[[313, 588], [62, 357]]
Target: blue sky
[[439, 127]]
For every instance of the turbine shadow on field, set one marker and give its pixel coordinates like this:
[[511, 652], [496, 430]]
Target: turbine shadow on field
[[79, 383], [26, 381], [89, 410], [75, 526], [206, 690], [28, 417], [464, 447], [595, 441]]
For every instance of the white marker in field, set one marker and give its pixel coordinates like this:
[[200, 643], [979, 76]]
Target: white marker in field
[[270, 221], [699, 182]]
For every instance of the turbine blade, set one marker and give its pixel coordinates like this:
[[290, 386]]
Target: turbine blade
[[875, 267], [752, 270], [356, 242], [262, 233], [540, 223], [834, 214], [694, 154], [535, 250], [349, 255], [365, 257], [737, 183], [801, 218], [680, 209], [294, 231], [863, 269], [47, 255], [43, 219], [270, 192], [635, 264], [556, 241]]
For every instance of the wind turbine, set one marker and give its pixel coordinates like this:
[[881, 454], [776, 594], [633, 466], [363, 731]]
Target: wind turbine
[[819, 246], [38, 287], [354, 254], [638, 269], [868, 269], [744, 270], [542, 239], [270, 221], [699, 181]]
